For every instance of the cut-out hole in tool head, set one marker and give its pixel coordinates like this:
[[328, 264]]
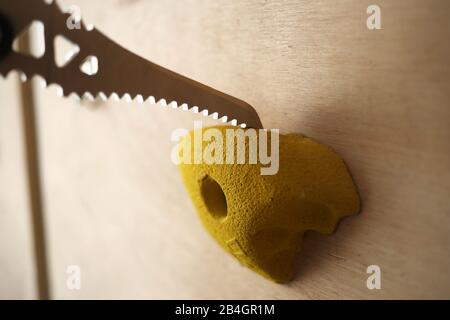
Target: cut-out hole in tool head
[[34, 36], [65, 50], [214, 197], [89, 65]]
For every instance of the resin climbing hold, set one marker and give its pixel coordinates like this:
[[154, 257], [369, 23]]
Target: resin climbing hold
[[261, 219]]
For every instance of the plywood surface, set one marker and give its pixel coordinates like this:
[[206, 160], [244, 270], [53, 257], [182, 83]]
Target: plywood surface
[[115, 203], [17, 273]]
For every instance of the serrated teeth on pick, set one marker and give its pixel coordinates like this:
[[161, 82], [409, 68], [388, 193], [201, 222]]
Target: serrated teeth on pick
[[10, 74], [126, 97], [88, 96], [102, 96], [23, 77], [139, 98], [74, 96], [42, 82], [59, 91]]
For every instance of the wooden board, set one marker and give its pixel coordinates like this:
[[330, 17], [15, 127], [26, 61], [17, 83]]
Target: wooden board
[[115, 203], [17, 259]]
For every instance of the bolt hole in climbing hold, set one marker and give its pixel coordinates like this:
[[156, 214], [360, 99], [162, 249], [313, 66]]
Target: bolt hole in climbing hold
[[213, 197]]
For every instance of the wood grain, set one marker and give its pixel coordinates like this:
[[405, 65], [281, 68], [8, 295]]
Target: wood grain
[[115, 203]]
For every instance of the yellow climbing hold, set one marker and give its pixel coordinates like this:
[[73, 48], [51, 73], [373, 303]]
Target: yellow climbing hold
[[261, 219]]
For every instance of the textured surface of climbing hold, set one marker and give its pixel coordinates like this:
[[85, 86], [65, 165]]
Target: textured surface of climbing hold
[[261, 219]]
